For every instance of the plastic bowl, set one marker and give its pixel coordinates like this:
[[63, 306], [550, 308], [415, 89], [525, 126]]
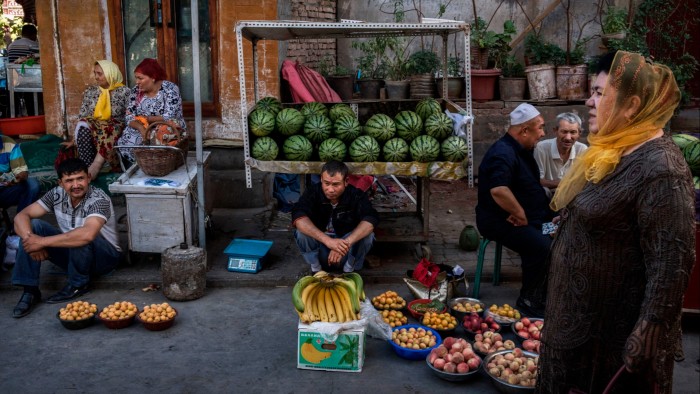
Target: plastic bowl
[[419, 315], [532, 319], [460, 315], [411, 354], [501, 385], [454, 377], [159, 326], [117, 324], [76, 324]]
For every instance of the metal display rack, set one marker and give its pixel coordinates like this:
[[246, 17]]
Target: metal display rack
[[396, 227]]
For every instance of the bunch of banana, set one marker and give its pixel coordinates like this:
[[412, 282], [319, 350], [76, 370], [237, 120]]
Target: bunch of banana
[[328, 298]]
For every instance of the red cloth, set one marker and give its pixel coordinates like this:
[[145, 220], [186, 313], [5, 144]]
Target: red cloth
[[362, 182], [300, 94], [317, 85], [426, 272]]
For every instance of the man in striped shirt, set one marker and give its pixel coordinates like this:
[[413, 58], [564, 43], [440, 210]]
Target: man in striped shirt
[[16, 188], [24, 46]]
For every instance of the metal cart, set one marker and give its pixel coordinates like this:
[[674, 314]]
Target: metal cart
[[395, 226]]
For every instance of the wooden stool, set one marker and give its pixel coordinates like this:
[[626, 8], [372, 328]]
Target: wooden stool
[[480, 265]]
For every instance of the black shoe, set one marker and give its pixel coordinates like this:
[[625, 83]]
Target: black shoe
[[25, 304], [68, 293], [529, 308]]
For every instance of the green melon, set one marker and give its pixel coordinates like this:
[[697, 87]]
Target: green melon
[[454, 148], [338, 110], [261, 122], [427, 107], [347, 128], [313, 108], [364, 149], [439, 126], [264, 148], [396, 149], [683, 139], [424, 149], [691, 153], [332, 149], [380, 127], [408, 125], [289, 121], [297, 148], [469, 238], [317, 128], [270, 104]]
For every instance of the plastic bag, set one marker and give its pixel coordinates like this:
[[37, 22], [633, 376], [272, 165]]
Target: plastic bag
[[377, 327], [459, 123], [329, 331]]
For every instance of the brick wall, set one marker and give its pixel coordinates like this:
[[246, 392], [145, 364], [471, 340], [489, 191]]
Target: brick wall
[[310, 52]]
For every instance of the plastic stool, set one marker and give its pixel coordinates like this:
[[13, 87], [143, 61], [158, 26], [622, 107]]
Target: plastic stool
[[480, 265]]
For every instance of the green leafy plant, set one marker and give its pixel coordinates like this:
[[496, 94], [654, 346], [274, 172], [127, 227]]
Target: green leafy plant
[[511, 68], [500, 49], [396, 59], [455, 66], [372, 65], [614, 20], [423, 62], [481, 37], [540, 52]]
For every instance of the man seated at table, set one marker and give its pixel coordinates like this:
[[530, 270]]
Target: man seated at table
[[555, 156], [16, 187], [84, 245], [334, 222], [512, 206]]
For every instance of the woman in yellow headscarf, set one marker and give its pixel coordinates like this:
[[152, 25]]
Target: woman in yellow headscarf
[[101, 119], [625, 247]]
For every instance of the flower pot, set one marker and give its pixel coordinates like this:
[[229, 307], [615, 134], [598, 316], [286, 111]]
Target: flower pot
[[541, 81], [512, 88], [613, 36], [479, 57], [454, 87], [422, 85], [369, 88], [396, 90], [341, 84], [484, 84], [572, 82]]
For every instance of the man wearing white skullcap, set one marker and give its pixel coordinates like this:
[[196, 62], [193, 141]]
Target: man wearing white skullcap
[[512, 206]]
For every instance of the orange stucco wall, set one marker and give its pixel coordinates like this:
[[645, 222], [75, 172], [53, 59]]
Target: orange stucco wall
[[75, 33]]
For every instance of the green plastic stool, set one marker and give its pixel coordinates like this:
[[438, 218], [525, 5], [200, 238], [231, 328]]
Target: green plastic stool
[[480, 265]]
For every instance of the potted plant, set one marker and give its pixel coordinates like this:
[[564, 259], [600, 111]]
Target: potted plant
[[339, 78], [614, 24], [455, 78], [483, 79], [398, 68], [372, 69], [543, 58], [482, 40], [512, 82], [423, 65], [572, 77]]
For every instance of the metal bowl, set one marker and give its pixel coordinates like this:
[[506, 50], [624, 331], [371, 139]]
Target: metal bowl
[[532, 319], [502, 320], [412, 354], [454, 377], [76, 324], [503, 386], [460, 315]]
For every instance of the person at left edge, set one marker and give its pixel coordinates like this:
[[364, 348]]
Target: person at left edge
[[84, 245], [16, 187], [334, 222]]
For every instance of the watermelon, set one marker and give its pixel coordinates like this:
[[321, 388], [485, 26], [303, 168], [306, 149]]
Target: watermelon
[[408, 125], [264, 148], [469, 238], [317, 128], [427, 107], [332, 149], [691, 153], [454, 148], [439, 126], [314, 108], [364, 149], [289, 121], [261, 122], [380, 127], [270, 104], [338, 110], [683, 139], [297, 148], [347, 128], [395, 149], [425, 149]]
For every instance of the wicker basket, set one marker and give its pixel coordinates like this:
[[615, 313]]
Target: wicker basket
[[164, 159]]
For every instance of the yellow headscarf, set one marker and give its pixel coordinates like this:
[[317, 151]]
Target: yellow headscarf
[[103, 108], [630, 75]]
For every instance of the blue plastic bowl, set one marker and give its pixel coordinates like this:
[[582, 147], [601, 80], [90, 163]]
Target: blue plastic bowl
[[411, 354]]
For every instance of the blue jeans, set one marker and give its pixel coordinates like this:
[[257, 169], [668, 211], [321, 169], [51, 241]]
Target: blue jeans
[[22, 194], [315, 252], [98, 257]]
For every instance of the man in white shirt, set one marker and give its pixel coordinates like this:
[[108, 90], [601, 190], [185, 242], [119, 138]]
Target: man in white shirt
[[556, 155]]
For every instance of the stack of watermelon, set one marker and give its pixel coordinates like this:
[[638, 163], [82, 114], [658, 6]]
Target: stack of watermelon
[[317, 132], [690, 146]]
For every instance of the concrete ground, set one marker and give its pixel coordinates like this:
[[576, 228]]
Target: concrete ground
[[233, 339]]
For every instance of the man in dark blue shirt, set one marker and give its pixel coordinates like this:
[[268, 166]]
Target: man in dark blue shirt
[[512, 205]]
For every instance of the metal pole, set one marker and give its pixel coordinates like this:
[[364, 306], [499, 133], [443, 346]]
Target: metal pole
[[194, 7]]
